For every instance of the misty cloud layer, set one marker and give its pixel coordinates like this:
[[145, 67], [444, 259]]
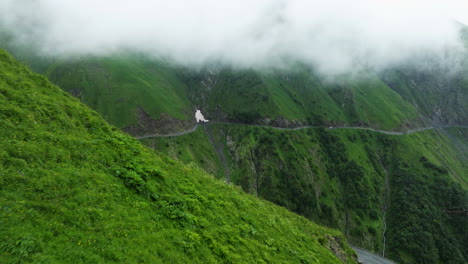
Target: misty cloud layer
[[334, 36]]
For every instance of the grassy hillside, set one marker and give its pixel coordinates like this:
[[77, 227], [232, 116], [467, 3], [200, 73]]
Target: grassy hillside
[[438, 95], [74, 189], [118, 85], [144, 96], [251, 97], [135, 92], [343, 178], [126, 88], [299, 97], [348, 179]]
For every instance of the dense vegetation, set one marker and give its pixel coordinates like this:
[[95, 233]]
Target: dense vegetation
[[119, 86], [422, 230], [344, 179], [144, 96], [348, 179], [299, 97], [74, 189]]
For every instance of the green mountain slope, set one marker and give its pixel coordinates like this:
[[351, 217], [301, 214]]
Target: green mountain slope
[[74, 189], [342, 178], [300, 98], [117, 86], [348, 179], [440, 98], [145, 96]]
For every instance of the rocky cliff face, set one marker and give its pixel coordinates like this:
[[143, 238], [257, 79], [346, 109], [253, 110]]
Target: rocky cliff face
[[165, 124], [441, 99]]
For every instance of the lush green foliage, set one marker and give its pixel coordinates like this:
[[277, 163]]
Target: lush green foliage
[[426, 181], [120, 85], [74, 189], [299, 96], [117, 86], [419, 228], [337, 177]]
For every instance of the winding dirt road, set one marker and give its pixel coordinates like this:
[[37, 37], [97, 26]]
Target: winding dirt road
[[395, 133]]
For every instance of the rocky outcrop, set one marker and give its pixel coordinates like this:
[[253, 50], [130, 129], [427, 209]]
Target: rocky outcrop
[[165, 124]]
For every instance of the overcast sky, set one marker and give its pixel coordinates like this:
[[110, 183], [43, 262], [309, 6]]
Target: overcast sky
[[458, 9], [331, 35]]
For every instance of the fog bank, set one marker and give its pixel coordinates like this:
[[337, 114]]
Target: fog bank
[[334, 36]]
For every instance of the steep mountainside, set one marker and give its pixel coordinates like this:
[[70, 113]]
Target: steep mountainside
[[298, 98], [74, 189], [143, 95], [440, 98], [356, 180], [387, 193], [125, 88]]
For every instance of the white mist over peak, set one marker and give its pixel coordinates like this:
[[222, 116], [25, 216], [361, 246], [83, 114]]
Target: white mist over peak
[[334, 36]]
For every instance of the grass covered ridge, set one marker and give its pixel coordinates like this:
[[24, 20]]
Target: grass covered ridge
[[116, 86], [74, 189]]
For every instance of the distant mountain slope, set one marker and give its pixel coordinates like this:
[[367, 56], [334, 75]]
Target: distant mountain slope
[[300, 97], [117, 87], [439, 98], [74, 189], [143, 95]]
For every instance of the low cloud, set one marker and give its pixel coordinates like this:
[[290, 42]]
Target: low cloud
[[333, 36]]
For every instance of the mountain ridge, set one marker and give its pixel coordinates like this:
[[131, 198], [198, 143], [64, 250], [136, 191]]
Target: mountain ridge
[[73, 188]]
